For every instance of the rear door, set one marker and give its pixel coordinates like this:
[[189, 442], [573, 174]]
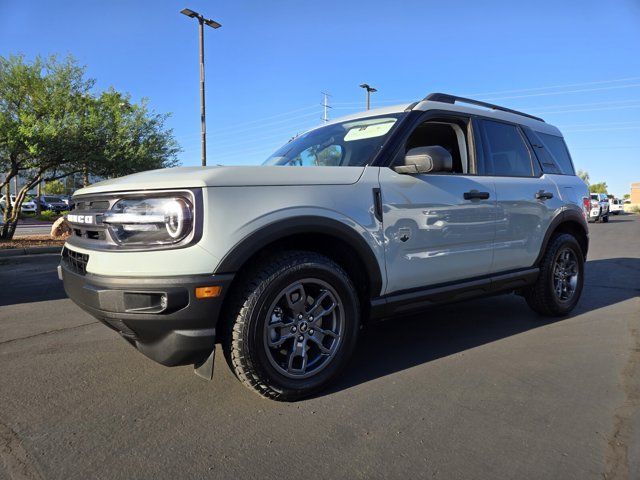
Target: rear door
[[526, 198]]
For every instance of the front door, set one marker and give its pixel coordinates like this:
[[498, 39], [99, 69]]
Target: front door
[[438, 228], [433, 234]]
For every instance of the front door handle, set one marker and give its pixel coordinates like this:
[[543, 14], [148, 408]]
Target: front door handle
[[542, 195], [476, 195]]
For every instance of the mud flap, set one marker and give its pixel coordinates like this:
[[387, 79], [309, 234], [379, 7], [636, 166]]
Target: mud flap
[[205, 369]]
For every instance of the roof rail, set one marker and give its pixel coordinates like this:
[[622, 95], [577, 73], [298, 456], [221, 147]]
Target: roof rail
[[452, 99]]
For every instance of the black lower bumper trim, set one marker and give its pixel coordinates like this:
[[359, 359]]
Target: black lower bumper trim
[[161, 317]]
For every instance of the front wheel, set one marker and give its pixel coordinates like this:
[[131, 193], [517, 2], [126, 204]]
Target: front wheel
[[559, 284], [295, 324]]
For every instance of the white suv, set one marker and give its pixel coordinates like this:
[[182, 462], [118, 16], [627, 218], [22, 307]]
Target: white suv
[[370, 216], [28, 206], [599, 208]]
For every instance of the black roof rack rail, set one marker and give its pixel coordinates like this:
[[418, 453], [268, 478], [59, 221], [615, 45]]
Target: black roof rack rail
[[452, 99]]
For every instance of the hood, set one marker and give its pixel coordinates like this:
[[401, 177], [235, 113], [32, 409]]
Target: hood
[[245, 176]]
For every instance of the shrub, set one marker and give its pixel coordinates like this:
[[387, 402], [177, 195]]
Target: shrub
[[48, 215]]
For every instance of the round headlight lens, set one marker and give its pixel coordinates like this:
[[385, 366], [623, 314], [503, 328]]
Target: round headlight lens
[[176, 213]]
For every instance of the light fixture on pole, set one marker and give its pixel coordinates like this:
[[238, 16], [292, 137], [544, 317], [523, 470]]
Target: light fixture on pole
[[201, 23], [369, 90]]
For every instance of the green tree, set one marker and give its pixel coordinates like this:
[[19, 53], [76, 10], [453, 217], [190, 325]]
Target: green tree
[[52, 126], [584, 175], [598, 187], [626, 196], [54, 187]]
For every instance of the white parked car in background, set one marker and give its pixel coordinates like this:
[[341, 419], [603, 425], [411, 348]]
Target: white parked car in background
[[616, 206], [28, 206]]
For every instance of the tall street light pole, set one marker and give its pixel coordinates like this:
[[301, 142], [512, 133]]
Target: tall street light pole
[[203, 124], [369, 90]]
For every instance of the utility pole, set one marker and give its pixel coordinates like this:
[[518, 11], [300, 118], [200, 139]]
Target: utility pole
[[325, 106], [203, 124], [369, 90]]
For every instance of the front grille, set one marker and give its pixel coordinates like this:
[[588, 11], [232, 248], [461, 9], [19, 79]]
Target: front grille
[[75, 261], [93, 232], [92, 205]]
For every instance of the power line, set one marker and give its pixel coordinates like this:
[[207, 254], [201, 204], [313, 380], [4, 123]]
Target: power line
[[613, 129], [581, 90], [566, 85], [597, 124], [577, 110], [532, 89], [590, 104], [258, 120], [271, 135], [253, 129]]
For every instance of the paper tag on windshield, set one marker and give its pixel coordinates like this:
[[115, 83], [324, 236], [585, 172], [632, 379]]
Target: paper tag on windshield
[[368, 131]]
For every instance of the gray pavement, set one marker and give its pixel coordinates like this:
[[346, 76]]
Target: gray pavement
[[483, 389], [31, 229]]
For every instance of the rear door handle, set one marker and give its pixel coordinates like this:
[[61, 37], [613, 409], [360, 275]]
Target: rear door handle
[[476, 195], [542, 195]]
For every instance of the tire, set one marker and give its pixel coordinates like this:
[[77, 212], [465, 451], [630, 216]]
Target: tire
[[543, 296], [273, 348], [605, 219]]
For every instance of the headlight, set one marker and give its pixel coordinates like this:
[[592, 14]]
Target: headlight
[[150, 220]]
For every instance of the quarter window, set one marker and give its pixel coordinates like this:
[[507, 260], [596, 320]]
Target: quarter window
[[506, 151], [558, 150]]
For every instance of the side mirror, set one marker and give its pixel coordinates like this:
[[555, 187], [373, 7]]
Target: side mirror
[[426, 160]]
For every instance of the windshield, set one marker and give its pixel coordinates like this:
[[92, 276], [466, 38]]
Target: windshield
[[351, 143]]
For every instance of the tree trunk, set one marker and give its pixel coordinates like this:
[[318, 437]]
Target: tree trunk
[[7, 202], [85, 176], [8, 227], [7, 231], [38, 194]]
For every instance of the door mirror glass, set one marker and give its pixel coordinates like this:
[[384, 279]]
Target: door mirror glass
[[433, 159]]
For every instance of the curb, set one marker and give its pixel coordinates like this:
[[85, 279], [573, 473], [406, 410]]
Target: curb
[[19, 252]]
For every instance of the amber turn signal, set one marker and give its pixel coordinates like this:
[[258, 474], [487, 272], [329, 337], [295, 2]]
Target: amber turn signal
[[208, 292]]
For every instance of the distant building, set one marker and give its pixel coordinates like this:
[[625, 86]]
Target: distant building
[[635, 192]]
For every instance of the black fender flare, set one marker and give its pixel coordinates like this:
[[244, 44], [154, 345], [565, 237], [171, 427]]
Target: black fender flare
[[305, 224], [565, 216]]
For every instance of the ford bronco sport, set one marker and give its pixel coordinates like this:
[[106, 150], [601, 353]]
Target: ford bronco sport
[[367, 217]]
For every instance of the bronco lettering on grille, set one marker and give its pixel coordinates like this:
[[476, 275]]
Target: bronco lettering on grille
[[86, 219]]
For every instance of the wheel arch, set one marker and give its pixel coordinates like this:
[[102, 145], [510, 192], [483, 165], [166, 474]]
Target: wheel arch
[[327, 236], [571, 222]]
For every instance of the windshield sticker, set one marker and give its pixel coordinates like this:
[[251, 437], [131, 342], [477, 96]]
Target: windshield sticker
[[368, 131]]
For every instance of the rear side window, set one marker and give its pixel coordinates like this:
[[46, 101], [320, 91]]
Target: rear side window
[[505, 150], [558, 150]]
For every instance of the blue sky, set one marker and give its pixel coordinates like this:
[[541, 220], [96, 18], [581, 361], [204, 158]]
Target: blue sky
[[575, 63]]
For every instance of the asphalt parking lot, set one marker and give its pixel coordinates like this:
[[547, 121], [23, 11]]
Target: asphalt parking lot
[[483, 389]]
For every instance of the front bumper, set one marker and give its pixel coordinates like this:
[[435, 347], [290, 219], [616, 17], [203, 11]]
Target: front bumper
[[161, 317]]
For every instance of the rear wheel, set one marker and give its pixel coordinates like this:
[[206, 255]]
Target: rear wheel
[[559, 284], [295, 324], [605, 219]]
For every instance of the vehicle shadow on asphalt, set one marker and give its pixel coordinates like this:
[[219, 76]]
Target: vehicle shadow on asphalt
[[404, 342], [31, 282]]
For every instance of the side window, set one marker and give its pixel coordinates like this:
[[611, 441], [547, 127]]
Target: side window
[[450, 136], [505, 150], [558, 150]]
